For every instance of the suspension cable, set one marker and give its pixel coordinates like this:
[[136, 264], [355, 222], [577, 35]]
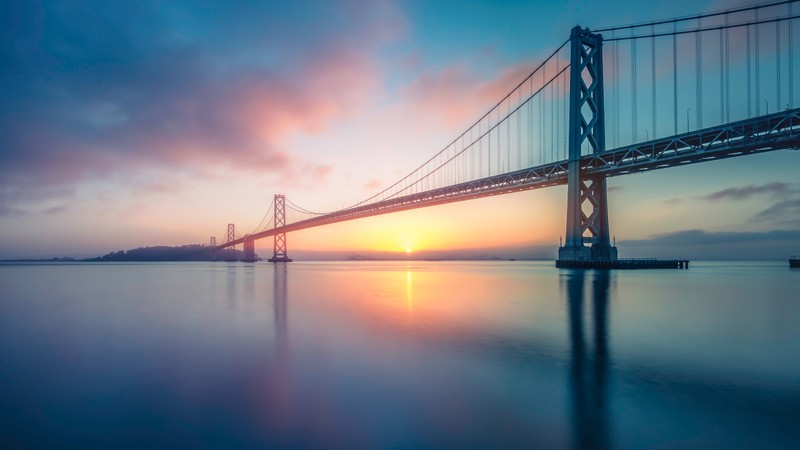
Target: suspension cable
[[265, 218], [300, 209], [719, 27], [480, 137], [477, 122], [696, 16]]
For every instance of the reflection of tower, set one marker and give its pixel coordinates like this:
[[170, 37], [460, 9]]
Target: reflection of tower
[[589, 374], [281, 307]]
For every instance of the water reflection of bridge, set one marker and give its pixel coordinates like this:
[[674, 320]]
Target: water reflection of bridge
[[589, 363], [598, 385], [281, 307]]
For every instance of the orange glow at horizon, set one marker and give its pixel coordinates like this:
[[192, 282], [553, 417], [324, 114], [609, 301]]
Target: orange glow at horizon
[[499, 221]]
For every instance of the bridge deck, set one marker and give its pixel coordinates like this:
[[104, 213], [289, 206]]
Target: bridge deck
[[777, 131]]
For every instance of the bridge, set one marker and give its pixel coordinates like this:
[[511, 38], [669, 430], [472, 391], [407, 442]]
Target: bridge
[[579, 116]]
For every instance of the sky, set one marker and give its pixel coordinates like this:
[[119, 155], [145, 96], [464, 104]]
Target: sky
[[131, 124]]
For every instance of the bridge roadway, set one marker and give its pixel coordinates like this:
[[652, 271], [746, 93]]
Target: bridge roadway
[[777, 131]]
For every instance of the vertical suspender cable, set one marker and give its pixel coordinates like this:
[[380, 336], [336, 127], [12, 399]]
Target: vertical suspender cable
[[675, 77], [472, 150], [541, 118], [489, 153], [463, 163], [698, 54], [791, 60], [721, 79], [550, 118], [565, 112], [778, 66], [553, 116], [557, 101], [634, 113], [507, 120], [508, 133], [727, 73], [616, 94], [530, 125], [519, 128], [653, 78], [480, 149], [613, 102], [758, 83], [749, 94]]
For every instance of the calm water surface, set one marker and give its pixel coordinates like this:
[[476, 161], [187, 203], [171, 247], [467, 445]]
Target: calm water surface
[[398, 355]]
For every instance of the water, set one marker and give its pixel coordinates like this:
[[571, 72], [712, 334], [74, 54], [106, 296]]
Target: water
[[398, 355]]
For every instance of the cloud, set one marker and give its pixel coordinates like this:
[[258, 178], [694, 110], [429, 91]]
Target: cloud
[[101, 89], [701, 244], [745, 192], [702, 237], [8, 211], [56, 210], [452, 96], [786, 212], [372, 184]]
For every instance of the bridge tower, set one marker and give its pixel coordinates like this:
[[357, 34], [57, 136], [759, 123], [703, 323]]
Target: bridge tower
[[213, 244], [587, 203], [279, 243], [231, 256]]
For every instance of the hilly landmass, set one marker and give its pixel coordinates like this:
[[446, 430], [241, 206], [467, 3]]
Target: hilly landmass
[[194, 252]]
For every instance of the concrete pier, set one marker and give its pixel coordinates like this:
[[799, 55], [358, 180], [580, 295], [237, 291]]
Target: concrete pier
[[249, 249], [277, 259], [627, 264]]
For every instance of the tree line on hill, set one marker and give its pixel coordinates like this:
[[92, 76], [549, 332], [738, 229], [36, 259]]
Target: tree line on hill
[[193, 252]]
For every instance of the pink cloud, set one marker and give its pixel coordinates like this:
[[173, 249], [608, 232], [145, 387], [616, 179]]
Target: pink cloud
[[335, 86], [155, 104], [457, 95], [372, 184]]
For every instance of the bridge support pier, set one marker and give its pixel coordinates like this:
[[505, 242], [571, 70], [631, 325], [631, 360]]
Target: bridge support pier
[[587, 203], [249, 249], [279, 242]]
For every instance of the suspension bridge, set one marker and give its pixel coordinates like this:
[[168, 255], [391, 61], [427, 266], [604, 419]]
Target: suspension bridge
[[606, 102]]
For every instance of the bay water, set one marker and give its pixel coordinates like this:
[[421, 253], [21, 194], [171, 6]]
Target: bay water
[[398, 354]]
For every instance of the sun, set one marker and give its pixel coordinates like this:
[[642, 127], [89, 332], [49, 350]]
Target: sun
[[408, 250]]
